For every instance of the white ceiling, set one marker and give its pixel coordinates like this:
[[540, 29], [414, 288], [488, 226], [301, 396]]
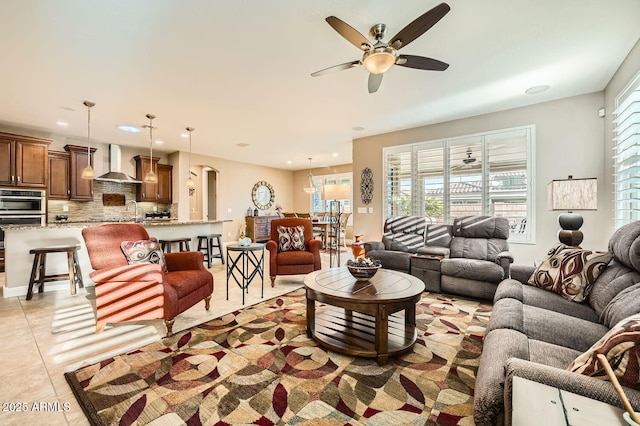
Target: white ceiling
[[239, 71]]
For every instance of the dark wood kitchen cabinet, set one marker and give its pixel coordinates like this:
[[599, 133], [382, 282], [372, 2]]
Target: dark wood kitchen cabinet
[[165, 183], [65, 174], [24, 161], [160, 192], [58, 176], [79, 189]]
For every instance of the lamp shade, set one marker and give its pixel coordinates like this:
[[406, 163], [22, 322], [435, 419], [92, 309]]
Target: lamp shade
[[336, 191], [573, 194]]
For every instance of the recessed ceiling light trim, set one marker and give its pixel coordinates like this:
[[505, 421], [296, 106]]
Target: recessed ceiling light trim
[[127, 128], [242, 145], [537, 89]]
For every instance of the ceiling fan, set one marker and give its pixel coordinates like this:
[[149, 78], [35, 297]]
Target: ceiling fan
[[381, 56], [466, 161]]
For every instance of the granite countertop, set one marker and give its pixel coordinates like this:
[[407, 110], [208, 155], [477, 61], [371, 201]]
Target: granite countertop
[[82, 224]]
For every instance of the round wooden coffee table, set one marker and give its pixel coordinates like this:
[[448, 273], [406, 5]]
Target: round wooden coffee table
[[362, 317]]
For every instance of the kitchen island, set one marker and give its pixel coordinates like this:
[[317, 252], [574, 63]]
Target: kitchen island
[[19, 239]]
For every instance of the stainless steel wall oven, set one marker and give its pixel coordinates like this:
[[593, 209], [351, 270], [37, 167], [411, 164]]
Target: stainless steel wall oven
[[20, 207]]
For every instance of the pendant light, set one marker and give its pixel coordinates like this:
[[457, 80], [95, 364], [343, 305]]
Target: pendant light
[[309, 188], [150, 177], [88, 172], [191, 185]]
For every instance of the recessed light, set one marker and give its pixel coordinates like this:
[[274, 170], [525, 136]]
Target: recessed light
[[357, 128], [128, 129], [242, 145], [335, 154], [159, 142], [184, 135], [289, 162], [537, 89], [61, 123]]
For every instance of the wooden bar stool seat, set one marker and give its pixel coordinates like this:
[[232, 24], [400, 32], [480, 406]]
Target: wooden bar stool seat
[[183, 244], [39, 270], [206, 243]]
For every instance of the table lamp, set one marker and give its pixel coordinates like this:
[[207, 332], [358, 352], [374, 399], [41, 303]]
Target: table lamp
[[572, 194]]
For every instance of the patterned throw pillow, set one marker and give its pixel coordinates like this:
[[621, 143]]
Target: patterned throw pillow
[[144, 251], [291, 238], [621, 347], [570, 271]]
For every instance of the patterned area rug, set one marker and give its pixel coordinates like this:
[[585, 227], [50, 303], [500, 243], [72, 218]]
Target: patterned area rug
[[257, 366]]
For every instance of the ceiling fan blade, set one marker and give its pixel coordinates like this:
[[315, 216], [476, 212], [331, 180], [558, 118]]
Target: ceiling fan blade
[[374, 82], [348, 32], [419, 26], [421, 63], [335, 68]]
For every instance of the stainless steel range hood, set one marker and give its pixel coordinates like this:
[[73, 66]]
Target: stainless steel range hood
[[115, 171]]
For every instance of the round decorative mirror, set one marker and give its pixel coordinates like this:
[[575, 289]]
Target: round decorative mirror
[[263, 195]]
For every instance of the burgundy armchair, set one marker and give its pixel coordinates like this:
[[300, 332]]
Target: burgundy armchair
[[296, 261], [144, 291]]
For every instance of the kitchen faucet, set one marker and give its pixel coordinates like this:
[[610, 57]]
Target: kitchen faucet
[[136, 218]]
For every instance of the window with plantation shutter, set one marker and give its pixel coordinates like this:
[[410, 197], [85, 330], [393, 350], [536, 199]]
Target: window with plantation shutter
[[627, 154], [483, 174]]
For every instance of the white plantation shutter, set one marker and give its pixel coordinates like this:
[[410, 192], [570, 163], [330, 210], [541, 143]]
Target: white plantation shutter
[[483, 174], [430, 194], [398, 183], [627, 154]]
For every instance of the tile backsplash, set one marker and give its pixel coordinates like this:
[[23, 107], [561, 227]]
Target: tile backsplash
[[95, 210]]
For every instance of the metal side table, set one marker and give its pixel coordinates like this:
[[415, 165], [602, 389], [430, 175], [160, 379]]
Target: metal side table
[[248, 262]]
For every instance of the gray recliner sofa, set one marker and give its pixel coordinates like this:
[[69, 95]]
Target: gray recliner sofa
[[536, 334], [474, 251]]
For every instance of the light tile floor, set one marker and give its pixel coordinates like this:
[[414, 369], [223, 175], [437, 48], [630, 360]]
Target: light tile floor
[[55, 332]]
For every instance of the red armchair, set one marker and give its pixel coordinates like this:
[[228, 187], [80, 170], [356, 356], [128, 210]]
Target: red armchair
[[296, 261], [144, 291]]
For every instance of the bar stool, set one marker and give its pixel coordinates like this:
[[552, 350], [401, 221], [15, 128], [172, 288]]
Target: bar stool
[[39, 270], [205, 242], [183, 244]]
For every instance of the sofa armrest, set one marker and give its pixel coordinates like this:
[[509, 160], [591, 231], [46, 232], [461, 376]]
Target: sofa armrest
[[373, 245], [504, 256], [184, 260], [580, 384], [147, 272], [521, 273], [504, 259]]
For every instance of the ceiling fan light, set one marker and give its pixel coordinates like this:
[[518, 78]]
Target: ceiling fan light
[[379, 61]]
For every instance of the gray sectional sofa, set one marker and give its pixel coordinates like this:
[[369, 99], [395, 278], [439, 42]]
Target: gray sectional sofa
[[474, 252], [536, 334]]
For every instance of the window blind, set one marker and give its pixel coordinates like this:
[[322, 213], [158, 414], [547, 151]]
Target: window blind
[[627, 154]]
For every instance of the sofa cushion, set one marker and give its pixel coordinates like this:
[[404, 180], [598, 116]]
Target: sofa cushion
[[408, 230], [544, 325], [395, 260], [625, 245], [570, 272], [144, 251], [625, 304], [291, 238], [481, 227], [615, 278], [480, 270], [438, 235], [478, 248], [621, 347], [534, 296]]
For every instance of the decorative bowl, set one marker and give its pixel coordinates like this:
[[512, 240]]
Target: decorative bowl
[[363, 273]]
